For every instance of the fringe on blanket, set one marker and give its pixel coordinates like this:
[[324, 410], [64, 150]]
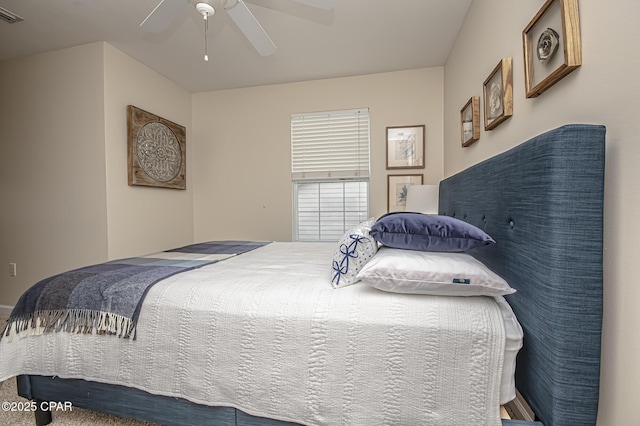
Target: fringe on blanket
[[81, 321]]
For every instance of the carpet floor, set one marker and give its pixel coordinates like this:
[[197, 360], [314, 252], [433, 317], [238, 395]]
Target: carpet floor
[[75, 417]]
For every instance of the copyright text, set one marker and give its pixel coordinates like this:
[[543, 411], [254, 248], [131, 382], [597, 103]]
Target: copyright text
[[29, 406]]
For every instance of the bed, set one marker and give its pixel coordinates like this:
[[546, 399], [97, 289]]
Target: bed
[[541, 201]]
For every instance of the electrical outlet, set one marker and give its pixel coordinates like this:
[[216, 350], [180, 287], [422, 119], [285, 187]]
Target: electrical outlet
[[12, 270]]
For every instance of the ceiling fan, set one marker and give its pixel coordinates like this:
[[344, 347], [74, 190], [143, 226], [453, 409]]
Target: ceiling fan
[[162, 15]]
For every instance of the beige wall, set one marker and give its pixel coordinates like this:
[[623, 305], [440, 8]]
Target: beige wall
[[63, 156], [142, 219], [604, 90], [52, 166], [242, 170]]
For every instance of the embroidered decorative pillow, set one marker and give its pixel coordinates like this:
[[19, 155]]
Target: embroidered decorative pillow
[[417, 231], [354, 250]]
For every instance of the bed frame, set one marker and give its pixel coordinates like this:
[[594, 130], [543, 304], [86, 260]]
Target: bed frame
[[542, 201]]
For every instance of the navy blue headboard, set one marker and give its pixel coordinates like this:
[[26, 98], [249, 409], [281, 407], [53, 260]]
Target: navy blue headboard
[[542, 202]]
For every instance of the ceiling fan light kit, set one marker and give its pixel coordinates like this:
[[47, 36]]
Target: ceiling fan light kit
[[205, 9]]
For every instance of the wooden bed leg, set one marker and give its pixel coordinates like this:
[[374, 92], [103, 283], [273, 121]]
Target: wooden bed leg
[[42, 417]]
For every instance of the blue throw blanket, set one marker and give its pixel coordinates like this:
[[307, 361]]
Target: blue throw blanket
[[106, 298]]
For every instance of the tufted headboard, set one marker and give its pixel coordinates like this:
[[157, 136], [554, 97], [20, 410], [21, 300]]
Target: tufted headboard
[[542, 201]]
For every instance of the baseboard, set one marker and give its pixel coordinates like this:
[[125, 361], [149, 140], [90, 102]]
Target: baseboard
[[5, 310]]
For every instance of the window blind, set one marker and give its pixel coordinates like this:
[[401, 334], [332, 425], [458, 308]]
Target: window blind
[[330, 144], [325, 210], [330, 172]]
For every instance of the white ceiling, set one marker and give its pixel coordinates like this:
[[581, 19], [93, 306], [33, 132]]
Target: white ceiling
[[355, 37]]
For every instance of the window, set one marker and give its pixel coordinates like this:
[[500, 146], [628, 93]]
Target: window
[[330, 173]]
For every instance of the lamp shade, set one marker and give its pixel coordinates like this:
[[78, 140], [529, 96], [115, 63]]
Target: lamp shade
[[422, 199]]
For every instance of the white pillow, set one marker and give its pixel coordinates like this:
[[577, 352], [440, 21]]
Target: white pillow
[[436, 273], [354, 250]]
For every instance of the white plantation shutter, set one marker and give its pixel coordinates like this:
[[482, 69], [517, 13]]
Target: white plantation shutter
[[330, 173], [330, 144]]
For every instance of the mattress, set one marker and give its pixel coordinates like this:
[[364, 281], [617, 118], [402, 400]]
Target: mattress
[[265, 332]]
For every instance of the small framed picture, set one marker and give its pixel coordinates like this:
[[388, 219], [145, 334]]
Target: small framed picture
[[470, 121], [498, 95], [552, 46], [405, 147], [397, 186]]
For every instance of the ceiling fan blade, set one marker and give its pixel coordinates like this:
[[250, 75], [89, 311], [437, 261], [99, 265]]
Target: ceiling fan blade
[[320, 4], [251, 28], [162, 15]]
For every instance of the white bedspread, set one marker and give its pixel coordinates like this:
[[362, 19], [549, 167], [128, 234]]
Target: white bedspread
[[266, 333]]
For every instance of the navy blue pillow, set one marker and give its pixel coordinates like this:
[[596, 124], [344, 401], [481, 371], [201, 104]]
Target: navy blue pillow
[[417, 231]]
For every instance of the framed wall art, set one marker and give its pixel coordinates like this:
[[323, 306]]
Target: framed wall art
[[156, 150], [552, 46], [405, 147], [470, 121], [397, 186], [497, 91]]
